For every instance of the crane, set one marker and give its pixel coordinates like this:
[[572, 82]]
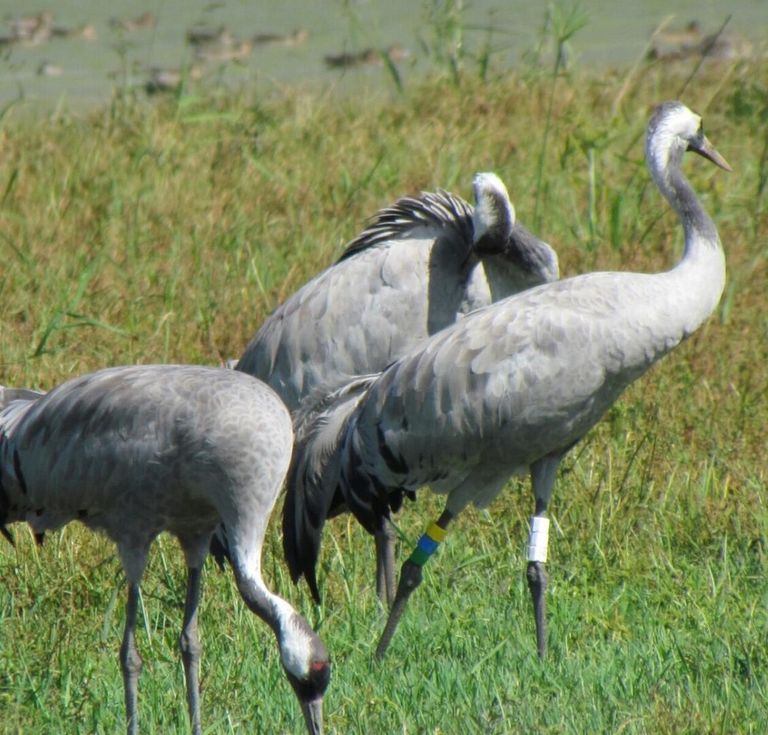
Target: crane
[[507, 390], [134, 451], [418, 267]]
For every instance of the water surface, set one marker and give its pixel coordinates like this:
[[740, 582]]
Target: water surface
[[85, 72]]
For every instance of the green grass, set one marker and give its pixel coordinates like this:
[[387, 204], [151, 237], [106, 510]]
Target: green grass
[[167, 233]]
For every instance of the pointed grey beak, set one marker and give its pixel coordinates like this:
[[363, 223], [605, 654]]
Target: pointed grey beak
[[313, 716], [706, 149]]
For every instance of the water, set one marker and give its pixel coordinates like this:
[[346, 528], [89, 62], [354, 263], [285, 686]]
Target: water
[[87, 71]]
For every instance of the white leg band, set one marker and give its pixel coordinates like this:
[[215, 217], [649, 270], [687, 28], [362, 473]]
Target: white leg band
[[538, 539]]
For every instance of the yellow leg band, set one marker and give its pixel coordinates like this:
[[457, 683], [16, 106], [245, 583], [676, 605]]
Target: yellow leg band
[[436, 533]]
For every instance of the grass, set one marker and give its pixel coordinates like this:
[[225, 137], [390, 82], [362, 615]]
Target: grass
[[167, 233]]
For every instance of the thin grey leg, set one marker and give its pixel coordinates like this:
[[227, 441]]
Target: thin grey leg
[[543, 474], [385, 563], [410, 579], [130, 660], [189, 643], [537, 584]]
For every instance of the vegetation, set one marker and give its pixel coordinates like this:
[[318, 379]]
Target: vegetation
[[166, 233]]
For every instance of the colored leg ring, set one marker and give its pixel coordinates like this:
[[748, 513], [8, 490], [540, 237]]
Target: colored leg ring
[[427, 544]]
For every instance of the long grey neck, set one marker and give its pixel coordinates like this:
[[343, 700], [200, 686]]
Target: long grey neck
[[697, 225], [504, 276], [261, 602], [693, 287], [525, 262]]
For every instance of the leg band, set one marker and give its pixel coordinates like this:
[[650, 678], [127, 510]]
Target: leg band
[[538, 539], [427, 544], [435, 532]]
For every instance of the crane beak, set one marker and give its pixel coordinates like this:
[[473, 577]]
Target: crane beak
[[313, 715], [704, 148]]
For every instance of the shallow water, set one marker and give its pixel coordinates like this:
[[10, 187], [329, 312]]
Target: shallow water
[[84, 72]]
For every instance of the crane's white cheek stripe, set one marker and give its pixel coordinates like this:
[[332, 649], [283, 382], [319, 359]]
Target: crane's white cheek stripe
[[538, 539]]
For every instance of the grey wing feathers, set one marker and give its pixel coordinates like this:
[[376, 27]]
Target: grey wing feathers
[[440, 209], [15, 394], [14, 403], [383, 291], [519, 373]]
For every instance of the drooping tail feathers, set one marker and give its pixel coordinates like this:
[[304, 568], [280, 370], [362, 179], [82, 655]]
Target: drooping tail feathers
[[312, 485]]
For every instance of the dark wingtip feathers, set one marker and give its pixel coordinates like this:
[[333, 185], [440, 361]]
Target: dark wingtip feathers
[[313, 478], [311, 578], [301, 545]]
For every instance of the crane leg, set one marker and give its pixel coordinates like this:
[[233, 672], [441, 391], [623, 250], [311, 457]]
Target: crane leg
[[189, 643], [543, 473], [130, 660], [411, 576], [537, 578], [410, 579], [537, 584], [385, 563]]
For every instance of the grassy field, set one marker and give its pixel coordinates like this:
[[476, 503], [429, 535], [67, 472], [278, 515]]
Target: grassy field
[[167, 232]]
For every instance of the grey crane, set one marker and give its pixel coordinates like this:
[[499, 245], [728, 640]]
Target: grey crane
[[134, 451], [419, 266], [509, 389]]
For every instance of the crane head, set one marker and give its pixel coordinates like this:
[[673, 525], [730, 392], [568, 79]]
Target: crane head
[[674, 129], [493, 216], [308, 668]]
